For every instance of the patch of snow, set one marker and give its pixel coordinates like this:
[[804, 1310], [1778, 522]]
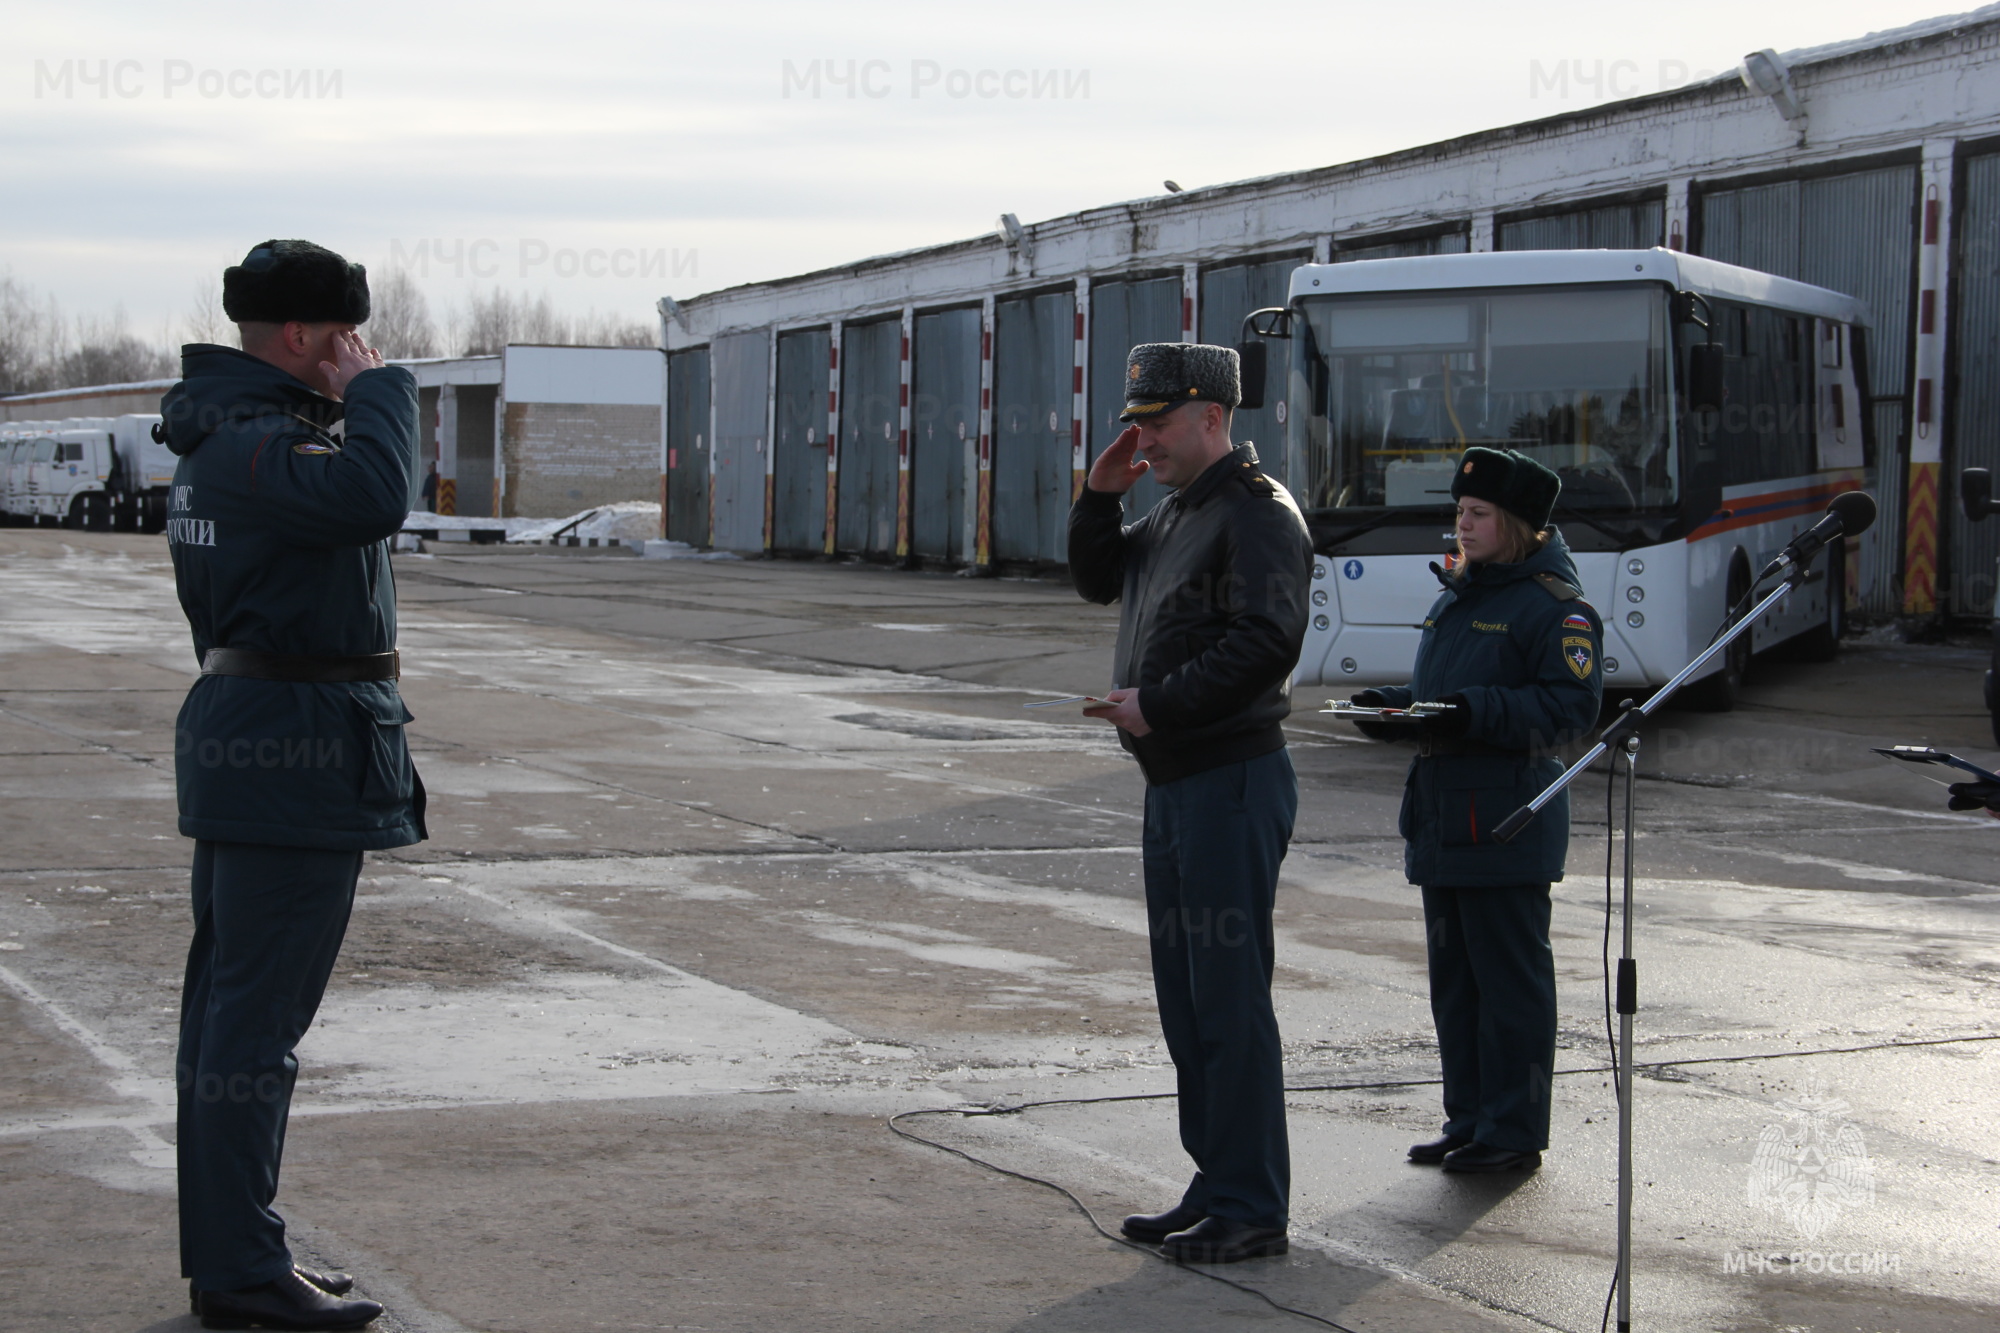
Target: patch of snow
[[627, 522]]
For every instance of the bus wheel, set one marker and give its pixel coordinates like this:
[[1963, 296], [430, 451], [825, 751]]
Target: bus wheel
[[1821, 643], [1719, 691]]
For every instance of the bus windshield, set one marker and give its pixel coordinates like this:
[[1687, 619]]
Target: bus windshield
[[1389, 388]]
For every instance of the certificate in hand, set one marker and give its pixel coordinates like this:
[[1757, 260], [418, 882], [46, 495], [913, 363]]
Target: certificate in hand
[[1936, 764], [1416, 712], [1087, 700]]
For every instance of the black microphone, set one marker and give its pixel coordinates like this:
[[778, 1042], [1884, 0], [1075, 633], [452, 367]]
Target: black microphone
[[1851, 514]]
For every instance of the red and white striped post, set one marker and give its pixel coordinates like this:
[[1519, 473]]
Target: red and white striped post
[[1921, 512]]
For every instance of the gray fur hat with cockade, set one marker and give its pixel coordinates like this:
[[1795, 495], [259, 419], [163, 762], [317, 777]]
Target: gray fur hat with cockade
[[281, 281], [1162, 376]]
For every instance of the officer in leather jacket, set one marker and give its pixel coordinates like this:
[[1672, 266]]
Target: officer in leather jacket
[[1212, 584]]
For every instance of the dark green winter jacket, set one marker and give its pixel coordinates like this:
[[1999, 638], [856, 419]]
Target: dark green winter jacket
[[1523, 648], [280, 540]]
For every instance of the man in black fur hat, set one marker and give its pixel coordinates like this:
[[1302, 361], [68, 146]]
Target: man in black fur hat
[[297, 458], [1212, 582]]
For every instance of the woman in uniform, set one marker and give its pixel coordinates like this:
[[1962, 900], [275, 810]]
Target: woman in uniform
[[1512, 646]]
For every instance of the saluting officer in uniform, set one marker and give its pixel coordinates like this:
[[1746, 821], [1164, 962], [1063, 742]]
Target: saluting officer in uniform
[[290, 755], [1512, 645], [1212, 584]]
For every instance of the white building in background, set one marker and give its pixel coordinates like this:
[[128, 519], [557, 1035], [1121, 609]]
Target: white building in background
[[540, 431], [98, 400], [941, 405]]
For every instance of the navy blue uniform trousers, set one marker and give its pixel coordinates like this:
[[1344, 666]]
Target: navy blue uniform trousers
[[268, 922], [1493, 997], [1213, 844]]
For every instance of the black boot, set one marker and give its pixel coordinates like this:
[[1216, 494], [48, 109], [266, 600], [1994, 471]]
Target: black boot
[[1152, 1228], [1480, 1159], [333, 1284], [1430, 1154], [1222, 1240], [288, 1302]]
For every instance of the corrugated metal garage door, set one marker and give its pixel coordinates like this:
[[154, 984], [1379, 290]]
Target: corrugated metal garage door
[[742, 369], [1975, 413], [944, 428], [798, 509], [1123, 315], [1446, 243], [687, 446], [1034, 359], [476, 498], [1228, 293], [869, 413], [1853, 233], [1630, 225]]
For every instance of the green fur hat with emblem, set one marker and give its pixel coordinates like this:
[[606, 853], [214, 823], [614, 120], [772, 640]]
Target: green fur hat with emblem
[[1510, 479]]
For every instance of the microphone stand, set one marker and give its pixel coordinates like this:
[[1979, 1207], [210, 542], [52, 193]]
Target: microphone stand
[[1622, 735]]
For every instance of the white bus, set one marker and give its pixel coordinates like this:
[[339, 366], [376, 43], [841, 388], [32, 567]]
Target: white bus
[[1699, 415]]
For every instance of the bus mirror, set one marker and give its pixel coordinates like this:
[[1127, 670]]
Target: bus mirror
[[1705, 377], [1251, 353], [1269, 322], [1975, 492]]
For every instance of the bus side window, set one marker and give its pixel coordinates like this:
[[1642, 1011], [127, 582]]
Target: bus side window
[[1765, 429]]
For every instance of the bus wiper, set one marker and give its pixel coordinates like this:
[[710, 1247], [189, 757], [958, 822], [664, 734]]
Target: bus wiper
[[1368, 525], [1627, 538]]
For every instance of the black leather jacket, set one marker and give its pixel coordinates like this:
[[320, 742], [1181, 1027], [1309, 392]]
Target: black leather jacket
[[1214, 583]]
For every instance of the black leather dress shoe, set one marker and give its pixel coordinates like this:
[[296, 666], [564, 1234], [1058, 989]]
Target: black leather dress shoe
[[1221, 1240], [289, 1302], [1152, 1228], [1477, 1157], [1430, 1154], [333, 1284]]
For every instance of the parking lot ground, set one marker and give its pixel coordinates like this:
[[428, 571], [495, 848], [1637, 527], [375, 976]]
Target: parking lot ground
[[732, 861]]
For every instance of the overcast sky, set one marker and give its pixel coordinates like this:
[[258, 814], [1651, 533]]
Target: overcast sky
[[499, 144]]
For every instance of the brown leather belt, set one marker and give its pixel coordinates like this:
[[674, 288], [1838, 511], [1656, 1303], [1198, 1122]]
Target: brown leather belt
[[309, 670]]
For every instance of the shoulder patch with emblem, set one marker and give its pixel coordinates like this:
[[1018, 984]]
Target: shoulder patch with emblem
[[1578, 653], [1577, 622], [315, 448]]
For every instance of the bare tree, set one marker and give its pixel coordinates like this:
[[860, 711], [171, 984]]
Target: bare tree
[[492, 320], [104, 351], [399, 324], [205, 322], [31, 336], [612, 330]]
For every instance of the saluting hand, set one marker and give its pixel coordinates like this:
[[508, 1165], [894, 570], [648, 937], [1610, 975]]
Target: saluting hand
[[351, 357], [1116, 469]]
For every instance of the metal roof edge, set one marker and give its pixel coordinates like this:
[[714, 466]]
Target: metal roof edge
[[1523, 268], [87, 390]]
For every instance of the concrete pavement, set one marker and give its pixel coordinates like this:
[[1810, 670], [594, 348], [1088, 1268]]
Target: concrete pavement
[[733, 860]]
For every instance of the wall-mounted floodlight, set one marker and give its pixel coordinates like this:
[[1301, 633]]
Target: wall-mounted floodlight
[[1018, 240], [669, 308], [1173, 187], [1765, 73]]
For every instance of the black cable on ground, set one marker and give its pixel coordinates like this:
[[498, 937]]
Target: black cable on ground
[[1084, 1208], [973, 1112]]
